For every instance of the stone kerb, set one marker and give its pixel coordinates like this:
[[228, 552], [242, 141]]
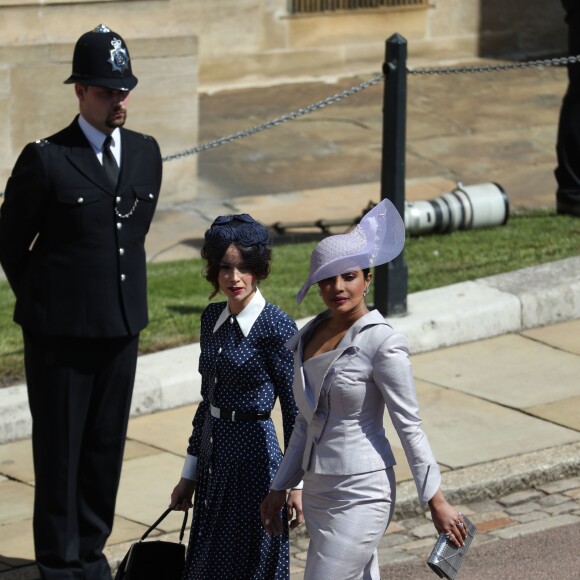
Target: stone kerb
[[36, 103], [549, 293]]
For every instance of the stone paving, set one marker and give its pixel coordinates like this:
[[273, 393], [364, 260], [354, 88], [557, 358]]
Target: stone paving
[[517, 514], [507, 489]]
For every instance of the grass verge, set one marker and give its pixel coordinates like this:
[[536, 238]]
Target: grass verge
[[178, 293]]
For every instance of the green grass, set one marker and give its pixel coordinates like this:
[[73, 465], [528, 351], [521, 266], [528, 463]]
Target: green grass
[[178, 292]]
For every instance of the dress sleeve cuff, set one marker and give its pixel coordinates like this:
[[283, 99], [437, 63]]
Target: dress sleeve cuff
[[428, 481], [189, 470]]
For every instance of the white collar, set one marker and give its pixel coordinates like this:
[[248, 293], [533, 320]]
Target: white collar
[[247, 316], [97, 139]]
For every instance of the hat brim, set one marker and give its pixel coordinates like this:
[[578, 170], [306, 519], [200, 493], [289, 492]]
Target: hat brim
[[383, 230], [127, 83]]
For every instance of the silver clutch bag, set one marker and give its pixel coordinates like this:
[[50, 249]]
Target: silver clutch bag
[[446, 558]]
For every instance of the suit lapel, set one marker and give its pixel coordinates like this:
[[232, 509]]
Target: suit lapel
[[83, 158], [307, 396], [128, 165]]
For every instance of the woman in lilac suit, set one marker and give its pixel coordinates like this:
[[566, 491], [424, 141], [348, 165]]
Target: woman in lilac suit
[[349, 365]]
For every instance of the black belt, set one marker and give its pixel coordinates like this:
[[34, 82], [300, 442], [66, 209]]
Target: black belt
[[237, 415]]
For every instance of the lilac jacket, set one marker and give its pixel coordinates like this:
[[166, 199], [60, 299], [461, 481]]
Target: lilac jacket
[[339, 428]]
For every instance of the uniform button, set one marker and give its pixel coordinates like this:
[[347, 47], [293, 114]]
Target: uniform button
[[123, 277], [122, 251], [80, 200], [118, 199], [119, 225]]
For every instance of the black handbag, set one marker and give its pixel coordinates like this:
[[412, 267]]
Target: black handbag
[[156, 559]]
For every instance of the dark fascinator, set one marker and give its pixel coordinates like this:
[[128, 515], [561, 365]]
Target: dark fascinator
[[241, 229]]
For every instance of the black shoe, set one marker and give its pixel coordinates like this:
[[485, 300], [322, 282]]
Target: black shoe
[[568, 208]]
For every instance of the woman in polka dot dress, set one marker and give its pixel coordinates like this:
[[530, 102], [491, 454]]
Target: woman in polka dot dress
[[233, 452]]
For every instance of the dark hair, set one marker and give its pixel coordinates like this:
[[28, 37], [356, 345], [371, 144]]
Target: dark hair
[[249, 236], [255, 258]]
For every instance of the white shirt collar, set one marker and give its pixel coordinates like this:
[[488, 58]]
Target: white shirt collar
[[247, 316], [97, 139]]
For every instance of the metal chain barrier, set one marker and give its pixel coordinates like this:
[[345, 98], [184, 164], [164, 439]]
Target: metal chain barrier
[[357, 89], [278, 121], [495, 67]]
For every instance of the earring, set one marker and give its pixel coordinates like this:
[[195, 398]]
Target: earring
[[366, 290]]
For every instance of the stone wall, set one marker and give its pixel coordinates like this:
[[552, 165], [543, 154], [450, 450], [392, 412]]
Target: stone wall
[[36, 50], [241, 42]]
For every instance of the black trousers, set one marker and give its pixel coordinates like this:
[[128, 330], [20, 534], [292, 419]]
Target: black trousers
[[568, 140], [79, 392]]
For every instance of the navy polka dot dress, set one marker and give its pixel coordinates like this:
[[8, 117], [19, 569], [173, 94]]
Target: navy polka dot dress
[[238, 460]]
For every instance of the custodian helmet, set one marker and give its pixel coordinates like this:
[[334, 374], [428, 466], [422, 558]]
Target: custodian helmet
[[101, 59]]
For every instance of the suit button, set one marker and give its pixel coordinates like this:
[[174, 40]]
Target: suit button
[[123, 277], [151, 196], [119, 225], [80, 200], [121, 251]]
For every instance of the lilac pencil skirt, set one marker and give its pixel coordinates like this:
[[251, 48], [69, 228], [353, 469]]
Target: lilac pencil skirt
[[346, 517]]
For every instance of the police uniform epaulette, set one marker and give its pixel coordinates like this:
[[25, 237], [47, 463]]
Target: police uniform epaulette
[[42, 142]]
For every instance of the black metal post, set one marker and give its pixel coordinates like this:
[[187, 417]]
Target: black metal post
[[390, 294]]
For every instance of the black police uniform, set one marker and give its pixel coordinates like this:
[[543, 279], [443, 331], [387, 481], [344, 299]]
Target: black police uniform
[[568, 140], [72, 248]]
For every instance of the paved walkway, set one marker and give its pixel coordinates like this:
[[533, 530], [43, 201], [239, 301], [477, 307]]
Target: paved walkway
[[496, 360], [502, 414]]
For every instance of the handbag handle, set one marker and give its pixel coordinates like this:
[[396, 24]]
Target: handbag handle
[[161, 518]]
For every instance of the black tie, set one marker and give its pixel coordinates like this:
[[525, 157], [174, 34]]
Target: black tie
[[110, 163]]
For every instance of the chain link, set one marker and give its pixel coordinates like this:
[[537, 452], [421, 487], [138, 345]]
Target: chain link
[[127, 215], [278, 121], [495, 67], [357, 89]]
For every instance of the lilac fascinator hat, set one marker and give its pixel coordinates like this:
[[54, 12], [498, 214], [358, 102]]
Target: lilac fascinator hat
[[377, 239]]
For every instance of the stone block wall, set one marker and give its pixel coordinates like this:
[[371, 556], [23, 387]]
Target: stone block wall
[[182, 46], [36, 47]]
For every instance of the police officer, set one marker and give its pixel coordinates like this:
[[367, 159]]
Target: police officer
[[77, 208], [568, 141]]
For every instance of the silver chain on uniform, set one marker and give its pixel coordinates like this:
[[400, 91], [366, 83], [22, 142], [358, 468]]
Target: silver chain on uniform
[[357, 89], [127, 215]]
